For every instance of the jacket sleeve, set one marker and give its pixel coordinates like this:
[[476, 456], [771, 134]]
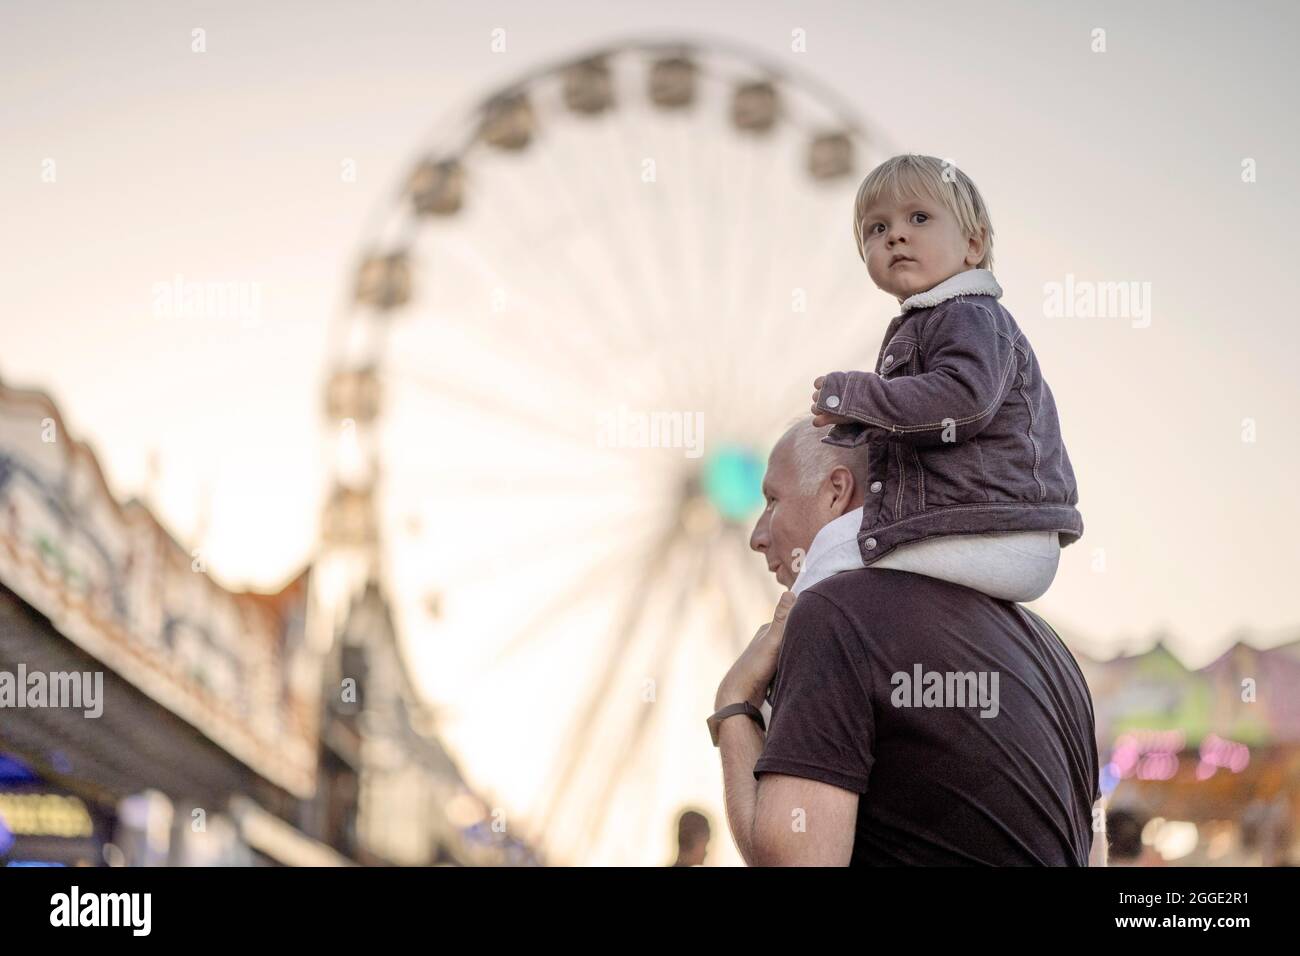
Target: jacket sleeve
[[970, 369]]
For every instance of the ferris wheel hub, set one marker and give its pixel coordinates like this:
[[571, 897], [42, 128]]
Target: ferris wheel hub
[[732, 481]]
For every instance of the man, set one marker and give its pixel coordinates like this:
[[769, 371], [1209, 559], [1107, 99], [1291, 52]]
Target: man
[[913, 721]]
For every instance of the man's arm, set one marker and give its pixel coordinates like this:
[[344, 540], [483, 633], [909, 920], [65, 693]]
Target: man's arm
[[802, 822], [741, 742], [780, 820], [792, 794]]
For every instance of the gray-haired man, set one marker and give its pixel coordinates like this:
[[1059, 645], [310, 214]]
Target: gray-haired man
[[913, 721]]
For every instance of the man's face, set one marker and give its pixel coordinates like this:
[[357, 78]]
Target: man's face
[[790, 521]]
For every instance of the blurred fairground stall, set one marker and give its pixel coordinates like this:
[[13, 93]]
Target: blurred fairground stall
[[149, 716], [1207, 760]]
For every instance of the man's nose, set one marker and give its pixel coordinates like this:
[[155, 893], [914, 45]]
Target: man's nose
[[758, 539]]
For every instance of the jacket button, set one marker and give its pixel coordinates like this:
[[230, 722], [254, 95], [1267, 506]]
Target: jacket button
[[833, 401], [871, 544], [889, 360], [875, 487]]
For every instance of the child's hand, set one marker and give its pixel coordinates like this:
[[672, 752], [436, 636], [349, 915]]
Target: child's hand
[[825, 418]]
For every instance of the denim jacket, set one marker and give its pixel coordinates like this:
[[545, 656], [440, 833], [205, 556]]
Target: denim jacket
[[958, 424]]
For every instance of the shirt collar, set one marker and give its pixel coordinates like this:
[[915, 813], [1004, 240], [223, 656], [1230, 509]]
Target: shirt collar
[[834, 549], [970, 282]]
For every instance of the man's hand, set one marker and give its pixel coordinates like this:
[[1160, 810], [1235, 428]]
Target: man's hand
[[753, 670], [825, 418]]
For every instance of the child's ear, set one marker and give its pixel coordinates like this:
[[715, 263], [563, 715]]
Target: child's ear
[[975, 248]]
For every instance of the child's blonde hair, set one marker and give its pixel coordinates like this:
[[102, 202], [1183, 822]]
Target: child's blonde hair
[[914, 174]]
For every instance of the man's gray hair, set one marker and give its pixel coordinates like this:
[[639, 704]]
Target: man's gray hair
[[814, 459]]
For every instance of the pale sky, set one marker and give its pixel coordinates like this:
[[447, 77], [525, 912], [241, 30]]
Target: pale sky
[[1123, 165]]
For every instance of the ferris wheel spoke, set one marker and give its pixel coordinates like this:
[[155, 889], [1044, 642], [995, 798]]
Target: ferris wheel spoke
[[574, 296], [631, 514], [681, 308], [702, 314], [845, 350], [563, 191], [795, 397], [668, 368], [667, 646], [544, 350], [721, 382], [578, 536], [551, 487], [602, 355], [705, 312], [754, 306], [608, 198], [792, 343], [501, 409], [743, 325], [853, 335], [624, 633], [849, 281], [604, 567], [710, 311], [593, 559], [667, 373], [778, 313], [489, 405]]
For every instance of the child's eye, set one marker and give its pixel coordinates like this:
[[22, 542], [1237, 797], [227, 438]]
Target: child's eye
[[875, 227], [921, 216]]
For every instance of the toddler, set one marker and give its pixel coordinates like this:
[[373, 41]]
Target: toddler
[[969, 480]]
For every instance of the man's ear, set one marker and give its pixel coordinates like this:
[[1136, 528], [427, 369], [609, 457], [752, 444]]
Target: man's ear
[[842, 486]]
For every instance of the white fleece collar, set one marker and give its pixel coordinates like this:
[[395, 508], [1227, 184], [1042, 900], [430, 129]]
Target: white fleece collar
[[970, 282], [834, 549]]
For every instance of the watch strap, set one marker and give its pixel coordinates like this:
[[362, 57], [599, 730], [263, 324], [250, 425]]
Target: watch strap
[[744, 707]]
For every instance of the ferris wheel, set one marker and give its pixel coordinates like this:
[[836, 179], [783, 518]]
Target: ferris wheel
[[577, 327]]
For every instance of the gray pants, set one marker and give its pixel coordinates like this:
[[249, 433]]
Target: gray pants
[[1017, 566], [1011, 566]]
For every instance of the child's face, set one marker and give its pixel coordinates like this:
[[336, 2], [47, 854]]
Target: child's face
[[913, 243]]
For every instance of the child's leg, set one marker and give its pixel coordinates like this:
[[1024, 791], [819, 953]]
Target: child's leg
[[1018, 566]]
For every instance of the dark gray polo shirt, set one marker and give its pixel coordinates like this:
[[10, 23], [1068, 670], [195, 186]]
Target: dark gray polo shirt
[[939, 783]]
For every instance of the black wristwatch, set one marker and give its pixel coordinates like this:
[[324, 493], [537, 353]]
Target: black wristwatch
[[744, 707]]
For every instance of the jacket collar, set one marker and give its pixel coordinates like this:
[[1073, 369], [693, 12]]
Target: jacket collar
[[833, 549], [970, 282]]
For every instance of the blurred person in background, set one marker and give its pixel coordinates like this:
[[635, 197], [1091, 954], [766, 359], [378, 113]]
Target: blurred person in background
[[693, 834], [1266, 831], [1124, 827]]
